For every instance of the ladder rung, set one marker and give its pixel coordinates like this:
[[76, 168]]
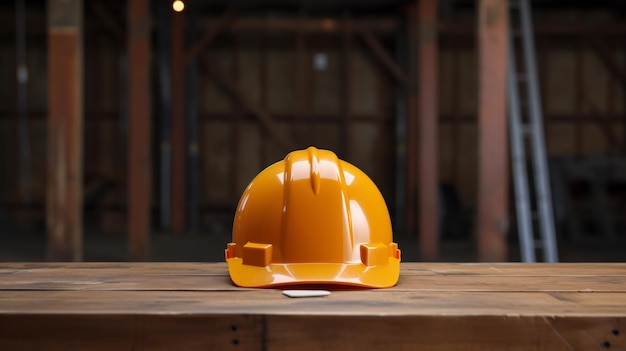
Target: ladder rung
[[538, 244]]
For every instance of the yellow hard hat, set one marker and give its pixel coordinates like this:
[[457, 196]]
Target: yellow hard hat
[[312, 219]]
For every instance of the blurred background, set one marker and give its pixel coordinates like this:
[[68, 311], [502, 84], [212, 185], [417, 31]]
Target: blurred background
[[128, 130]]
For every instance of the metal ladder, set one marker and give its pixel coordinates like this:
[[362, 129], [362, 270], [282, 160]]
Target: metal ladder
[[531, 129]]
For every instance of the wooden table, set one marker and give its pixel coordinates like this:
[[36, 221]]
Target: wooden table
[[189, 306]]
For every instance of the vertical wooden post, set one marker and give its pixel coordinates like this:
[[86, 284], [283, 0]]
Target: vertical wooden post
[[178, 123], [235, 131], [139, 130], [456, 121], [191, 127], [411, 119], [64, 198], [344, 88], [428, 160], [264, 88], [579, 93], [493, 171]]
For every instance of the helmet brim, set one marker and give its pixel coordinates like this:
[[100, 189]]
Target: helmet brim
[[285, 274]]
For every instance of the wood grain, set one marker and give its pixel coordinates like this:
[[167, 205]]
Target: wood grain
[[194, 306], [132, 280], [64, 181]]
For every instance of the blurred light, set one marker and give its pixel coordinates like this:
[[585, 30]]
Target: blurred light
[[178, 5], [320, 61], [329, 24]]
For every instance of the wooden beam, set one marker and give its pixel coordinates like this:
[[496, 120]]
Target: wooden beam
[[94, 135], [64, 198], [191, 125], [545, 28], [428, 153], [581, 98], [304, 25], [605, 56], [211, 33], [579, 93], [235, 124], [334, 117], [603, 124], [178, 124], [139, 130], [194, 306], [383, 56], [493, 146], [264, 88], [344, 90], [411, 119], [457, 172]]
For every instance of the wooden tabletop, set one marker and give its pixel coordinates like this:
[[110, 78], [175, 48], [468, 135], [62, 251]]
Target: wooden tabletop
[[195, 306]]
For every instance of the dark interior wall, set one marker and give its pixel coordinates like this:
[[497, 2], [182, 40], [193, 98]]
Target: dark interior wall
[[305, 101], [583, 104]]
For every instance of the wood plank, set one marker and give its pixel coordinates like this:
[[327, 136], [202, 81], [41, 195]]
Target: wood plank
[[226, 332], [414, 277], [428, 129], [407, 268], [493, 172], [64, 137], [139, 131], [435, 306], [387, 302], [516, 269], [132, 281], [446, 333], [70, 332]]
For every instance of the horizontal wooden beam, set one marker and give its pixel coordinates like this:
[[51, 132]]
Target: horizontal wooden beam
[[381, 26], [305, 25], [543, 28], [321, 117], [606, 57], [383, 56], [554, 118], [210, 34]]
